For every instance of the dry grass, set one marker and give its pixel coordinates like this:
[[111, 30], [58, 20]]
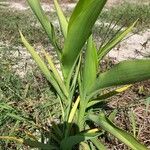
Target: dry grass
[[133, 100]]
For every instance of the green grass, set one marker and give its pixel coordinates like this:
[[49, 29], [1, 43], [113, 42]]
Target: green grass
[[127, 13], [24, 103], [11, 21]]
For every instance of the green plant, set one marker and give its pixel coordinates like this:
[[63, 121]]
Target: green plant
[[79, 86]]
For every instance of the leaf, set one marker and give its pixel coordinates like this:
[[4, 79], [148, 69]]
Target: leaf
[[90, 66], [132, 119], [62, 19], [75, 77], [98, 144], [79, 30], [122, 135], [6, 106], [112, 115], [56, 74], [126, 72], [41, 65], [85, 146], [103, 97], [39, 145], [46, 24], [114, 41], [76, 139], [73, 110]]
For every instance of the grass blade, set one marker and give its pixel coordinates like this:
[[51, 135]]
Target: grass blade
[[133, 122]]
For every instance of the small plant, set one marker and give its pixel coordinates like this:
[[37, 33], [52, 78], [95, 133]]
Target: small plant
[[81, 81]]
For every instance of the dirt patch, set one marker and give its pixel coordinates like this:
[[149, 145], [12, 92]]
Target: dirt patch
[[134, 47]]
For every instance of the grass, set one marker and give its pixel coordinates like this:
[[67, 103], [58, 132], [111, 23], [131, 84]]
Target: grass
[[31, 99], [11, 21], [127, 13], [24, 103]]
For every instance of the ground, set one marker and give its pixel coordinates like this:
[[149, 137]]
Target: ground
[[23, 87]]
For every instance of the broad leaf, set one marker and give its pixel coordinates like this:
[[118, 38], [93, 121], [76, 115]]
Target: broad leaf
[[122, 135], [126, 72], [79, 30]]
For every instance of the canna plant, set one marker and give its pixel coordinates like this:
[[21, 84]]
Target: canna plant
[[81, 81]]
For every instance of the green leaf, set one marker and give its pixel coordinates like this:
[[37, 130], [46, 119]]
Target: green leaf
[[98, 144], [42, 65], [62, 19], [82, 4], [79, 30], [114, 41], [126, 72], [112, 115], [132, 119], [75, 77], [56, 74], [122, 135], [103, 97], [46, 24], [76, 139], [90, 65]]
